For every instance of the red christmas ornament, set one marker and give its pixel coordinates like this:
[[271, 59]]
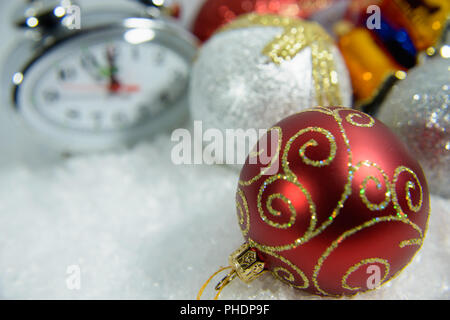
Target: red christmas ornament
[[216, 13], [341, 208]]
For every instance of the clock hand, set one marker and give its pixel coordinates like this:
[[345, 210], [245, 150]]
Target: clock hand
[[114, 84], [123, 88]]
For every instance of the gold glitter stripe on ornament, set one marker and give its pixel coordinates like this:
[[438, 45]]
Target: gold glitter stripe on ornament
[[291, 177], [351, 170], [242, 214], [289, 278], [361, 263], [409, 185], [349, 233], [288, 178], [298, 35], [350, 120], [410, 242], [363, 187], [274, 159]]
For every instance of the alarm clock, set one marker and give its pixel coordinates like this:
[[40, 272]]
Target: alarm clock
[[86, 80]]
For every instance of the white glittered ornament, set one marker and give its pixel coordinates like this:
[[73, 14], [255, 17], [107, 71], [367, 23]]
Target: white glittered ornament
[[417, 110], [262, 68]]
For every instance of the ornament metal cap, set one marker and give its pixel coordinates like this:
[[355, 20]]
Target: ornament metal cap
[[245, 263]]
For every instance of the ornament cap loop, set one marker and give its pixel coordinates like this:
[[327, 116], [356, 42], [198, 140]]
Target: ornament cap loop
[[227, 279], [244, 263]]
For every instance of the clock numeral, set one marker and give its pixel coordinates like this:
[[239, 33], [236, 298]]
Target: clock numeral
[[50, 95], [150, 110], [72, 114], [88, 60], [97, 118], [91, 65], [165, 98], [65, 74]]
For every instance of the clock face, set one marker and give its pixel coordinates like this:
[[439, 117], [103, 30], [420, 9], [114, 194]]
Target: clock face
[[104, 82]]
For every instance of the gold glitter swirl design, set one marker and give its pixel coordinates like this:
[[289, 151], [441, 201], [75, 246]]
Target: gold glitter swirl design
[[313, 143], [349, 233], [296, 36], [361, 263], [277, 213], [410, 242], [292, 210], [348, 186], [409, 186], [363, 188], [288, 277], [274, 159], [350, 117], [291, 177], [243, 213]]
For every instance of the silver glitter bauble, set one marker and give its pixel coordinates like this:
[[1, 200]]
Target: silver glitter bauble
[[261, 68], [417, 109]]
